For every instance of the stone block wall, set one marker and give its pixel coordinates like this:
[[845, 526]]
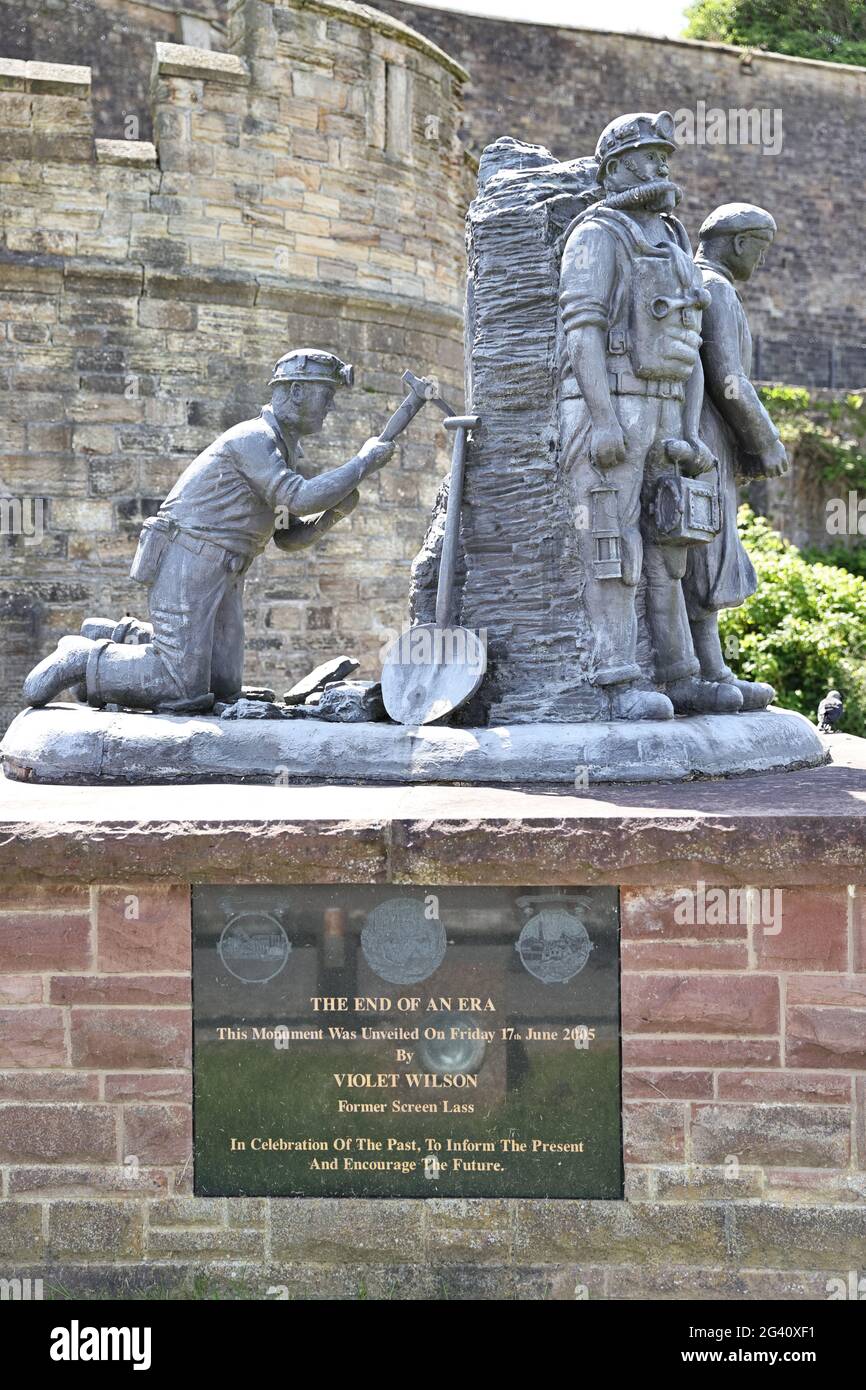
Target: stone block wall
[[559, 87], [744, 1082], [304, 189], [117, 39]]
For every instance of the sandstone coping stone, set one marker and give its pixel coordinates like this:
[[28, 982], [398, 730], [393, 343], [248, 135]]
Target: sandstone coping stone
[[798, 828], [182, 60], [23, 270], [61, 79], [133, 153], [367, 17], [13, 74], [120, 278]]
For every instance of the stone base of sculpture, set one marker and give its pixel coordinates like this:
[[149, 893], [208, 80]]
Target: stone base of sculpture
[[67, 743]]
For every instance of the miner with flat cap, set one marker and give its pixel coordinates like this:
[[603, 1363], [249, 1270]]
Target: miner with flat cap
[[193, 555], [631, 385], [734, 240]]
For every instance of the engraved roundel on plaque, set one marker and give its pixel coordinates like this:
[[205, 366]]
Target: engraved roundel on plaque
[[554, 946], [401, 944], [253, 947], [459, 1048]]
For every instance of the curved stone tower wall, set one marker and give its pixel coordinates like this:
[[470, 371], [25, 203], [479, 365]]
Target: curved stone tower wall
[[305, 188], [558, 87]]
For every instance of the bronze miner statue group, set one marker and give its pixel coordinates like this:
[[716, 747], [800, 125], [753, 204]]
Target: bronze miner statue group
[[659, 424]]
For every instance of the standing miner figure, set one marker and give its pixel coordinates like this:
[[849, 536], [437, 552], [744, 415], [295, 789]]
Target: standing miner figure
[[193, 555], [631, 388], [733, 242]]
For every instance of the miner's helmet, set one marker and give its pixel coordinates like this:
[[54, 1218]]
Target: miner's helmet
[[309, 364], [630, 132]]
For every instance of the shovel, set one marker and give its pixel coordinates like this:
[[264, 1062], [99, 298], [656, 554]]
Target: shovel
[[434, 668]]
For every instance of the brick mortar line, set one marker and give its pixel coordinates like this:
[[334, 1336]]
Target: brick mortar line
[[15, 913], [700, 1037], [724, 1100], [58, 974], [751, 949], [715, 1067], [100, 1004], [661, 940], [760, 972], [807, 1004], [94, 906], [118, 1071], [21, 1007], [534, 1203]]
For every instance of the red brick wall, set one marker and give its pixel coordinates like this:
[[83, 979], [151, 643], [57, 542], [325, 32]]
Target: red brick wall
[[744, 1051], [744, 1077], [95, 1062]]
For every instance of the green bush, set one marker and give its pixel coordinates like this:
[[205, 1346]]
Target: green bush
[[844, 557], [804, 630], [824, 436], [833, 30]]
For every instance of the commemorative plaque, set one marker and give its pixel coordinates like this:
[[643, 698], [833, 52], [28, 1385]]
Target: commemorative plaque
[[396, 1041]]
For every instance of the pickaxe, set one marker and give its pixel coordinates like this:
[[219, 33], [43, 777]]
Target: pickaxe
[[421, 390]]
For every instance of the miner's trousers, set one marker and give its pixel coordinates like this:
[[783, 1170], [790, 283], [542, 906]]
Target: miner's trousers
[[197, 651], [646, 421]]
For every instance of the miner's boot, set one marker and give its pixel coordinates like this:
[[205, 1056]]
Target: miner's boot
[[129, 630], [628, 703], [756, 694], [66, 667], [694, 696], [96, 628], [708, 648]]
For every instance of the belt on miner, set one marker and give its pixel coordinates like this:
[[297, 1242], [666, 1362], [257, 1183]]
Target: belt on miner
[[231, 560], [625, 383]]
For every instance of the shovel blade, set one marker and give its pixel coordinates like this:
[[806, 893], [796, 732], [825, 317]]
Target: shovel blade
[[431, 671]]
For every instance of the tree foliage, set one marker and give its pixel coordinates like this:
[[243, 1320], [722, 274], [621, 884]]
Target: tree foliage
[[825, 437], [834, 30], [804, 630]]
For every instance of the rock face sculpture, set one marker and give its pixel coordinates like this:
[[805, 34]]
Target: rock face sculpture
[[601, 489]]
